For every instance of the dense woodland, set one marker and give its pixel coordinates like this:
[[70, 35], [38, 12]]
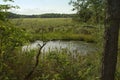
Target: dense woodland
[[49, 15], [90, 24]]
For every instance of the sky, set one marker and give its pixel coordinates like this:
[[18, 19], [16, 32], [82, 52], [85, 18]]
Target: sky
[[29, 7]]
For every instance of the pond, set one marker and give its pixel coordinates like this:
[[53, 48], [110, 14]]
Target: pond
[[70, 46]]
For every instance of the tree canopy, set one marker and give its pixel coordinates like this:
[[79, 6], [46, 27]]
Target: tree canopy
[[10, 38], [89, 10]]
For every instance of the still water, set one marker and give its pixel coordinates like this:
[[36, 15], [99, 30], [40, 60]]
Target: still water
[[70, 46]]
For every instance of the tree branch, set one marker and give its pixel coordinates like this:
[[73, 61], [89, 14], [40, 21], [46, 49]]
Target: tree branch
[[27, 77]]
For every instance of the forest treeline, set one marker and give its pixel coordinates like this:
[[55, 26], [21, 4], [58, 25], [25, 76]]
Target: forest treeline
[[47, 15]]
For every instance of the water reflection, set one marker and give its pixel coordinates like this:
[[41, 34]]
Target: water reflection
[[70, 46]]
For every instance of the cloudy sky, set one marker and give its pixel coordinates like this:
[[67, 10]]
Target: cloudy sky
[[42, 6]]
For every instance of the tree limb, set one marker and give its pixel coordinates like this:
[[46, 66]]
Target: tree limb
[[27, 77]]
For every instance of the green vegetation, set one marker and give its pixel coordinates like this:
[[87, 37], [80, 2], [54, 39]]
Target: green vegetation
[[11, 39], [56, 29], [89, 10], [48, 15], [55, 65]]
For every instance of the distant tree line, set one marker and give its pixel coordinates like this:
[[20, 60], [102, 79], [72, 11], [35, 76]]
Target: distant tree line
[[48, 15]]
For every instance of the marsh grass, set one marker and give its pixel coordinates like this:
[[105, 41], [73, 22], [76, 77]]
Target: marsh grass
[[56, 29]]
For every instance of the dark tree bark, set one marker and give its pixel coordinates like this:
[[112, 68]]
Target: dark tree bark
[[111, 39]]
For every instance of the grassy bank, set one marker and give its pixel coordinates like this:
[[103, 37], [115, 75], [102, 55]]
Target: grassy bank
[[56, 29]]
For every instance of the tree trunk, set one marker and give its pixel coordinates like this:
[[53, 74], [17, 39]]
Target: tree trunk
[[111, 40]]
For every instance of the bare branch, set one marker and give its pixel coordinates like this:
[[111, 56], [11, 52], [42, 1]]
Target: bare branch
[[27, 77]]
